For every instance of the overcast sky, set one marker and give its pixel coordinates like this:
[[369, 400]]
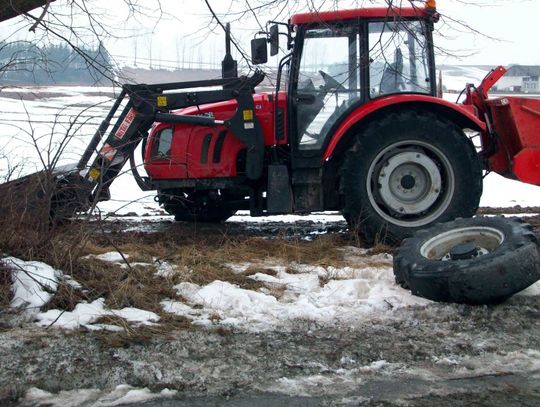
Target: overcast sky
[[181, 32]]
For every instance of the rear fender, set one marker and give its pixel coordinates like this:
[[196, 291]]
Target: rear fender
[[463, 116]]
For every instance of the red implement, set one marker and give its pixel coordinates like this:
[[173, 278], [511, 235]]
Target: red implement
[[516, 121]]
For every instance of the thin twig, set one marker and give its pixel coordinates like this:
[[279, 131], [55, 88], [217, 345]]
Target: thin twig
[[40, 18]]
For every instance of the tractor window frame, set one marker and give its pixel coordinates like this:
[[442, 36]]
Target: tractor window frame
[[160, 143], [427, 27], [360, 28]]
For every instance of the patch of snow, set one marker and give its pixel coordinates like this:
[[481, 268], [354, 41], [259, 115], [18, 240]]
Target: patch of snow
[[238, 268], [526, 360], [85, 314], [165, 269], [71, 282], [532, 290], [304, 386], [112, 257], [325, 295], [33, 283], [317, 217], [115, 257], [346, 380], [377, 365], [176, 307], [503, 192], [136, 315], [121, 395]]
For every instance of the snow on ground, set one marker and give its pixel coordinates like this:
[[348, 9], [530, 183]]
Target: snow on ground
[[326, 295], [122, 395], [456, 77], [344, 294], [33, 283], [86, 314], [350, 375], [503, 192]]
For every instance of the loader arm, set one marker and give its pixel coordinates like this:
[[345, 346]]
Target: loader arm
[[63, 191], [148, 104]]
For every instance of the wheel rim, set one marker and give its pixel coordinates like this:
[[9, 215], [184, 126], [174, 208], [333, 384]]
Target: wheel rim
[[410, 183], [442, 247]]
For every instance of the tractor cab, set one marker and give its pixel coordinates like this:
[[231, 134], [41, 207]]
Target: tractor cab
[[344, 59], [341, 63]]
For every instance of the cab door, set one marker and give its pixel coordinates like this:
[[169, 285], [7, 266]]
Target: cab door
[[327, 82]]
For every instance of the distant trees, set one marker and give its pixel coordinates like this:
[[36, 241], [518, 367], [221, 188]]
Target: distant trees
[[24, 63]]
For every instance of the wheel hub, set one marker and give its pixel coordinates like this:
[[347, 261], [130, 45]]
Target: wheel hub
[[463, 251], [462, 243], [409, 182]]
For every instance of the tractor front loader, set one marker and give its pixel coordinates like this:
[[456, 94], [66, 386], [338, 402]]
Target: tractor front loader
[[358, 128], [63, 191]]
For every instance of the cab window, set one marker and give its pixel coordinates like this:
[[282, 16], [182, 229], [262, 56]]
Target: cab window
[[161, 148], [398, 55], [328, 81]]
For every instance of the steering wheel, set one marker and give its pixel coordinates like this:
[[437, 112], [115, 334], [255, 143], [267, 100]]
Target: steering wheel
[[331, 83]]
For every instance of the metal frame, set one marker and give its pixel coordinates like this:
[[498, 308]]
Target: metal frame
[[148, 104]]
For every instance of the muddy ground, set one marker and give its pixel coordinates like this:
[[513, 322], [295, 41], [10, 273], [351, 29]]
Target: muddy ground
[[421, 356]]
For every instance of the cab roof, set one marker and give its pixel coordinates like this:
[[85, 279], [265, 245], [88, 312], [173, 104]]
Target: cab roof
[[361, 13]]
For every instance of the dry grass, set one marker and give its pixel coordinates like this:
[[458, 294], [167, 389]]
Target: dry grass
[[66, 298], [5, 286], [204, 257], [199, 255], [380, 248], [122, 287], [130, 335]]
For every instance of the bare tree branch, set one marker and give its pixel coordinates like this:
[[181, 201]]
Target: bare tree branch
[[14, 8]]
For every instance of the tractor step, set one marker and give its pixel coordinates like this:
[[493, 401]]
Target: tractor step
[[308, 190], [279, 195]]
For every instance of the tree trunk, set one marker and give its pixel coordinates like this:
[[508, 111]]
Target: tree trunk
[[13, 8]]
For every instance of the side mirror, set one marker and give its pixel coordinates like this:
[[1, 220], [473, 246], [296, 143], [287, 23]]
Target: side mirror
[[259, 51], [274, 40]]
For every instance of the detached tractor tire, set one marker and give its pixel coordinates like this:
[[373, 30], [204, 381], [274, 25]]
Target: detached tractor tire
[[407, 171], [472, 261]]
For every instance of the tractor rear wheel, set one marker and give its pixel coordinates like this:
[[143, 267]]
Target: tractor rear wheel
[[407, 171]]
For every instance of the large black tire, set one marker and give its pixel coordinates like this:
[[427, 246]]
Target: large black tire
[[473, 261], [201, 215], [198, 208], [406, 172]]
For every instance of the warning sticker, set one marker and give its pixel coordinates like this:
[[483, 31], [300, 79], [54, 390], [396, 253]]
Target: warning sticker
[[93, 174], [121, 132], [162, 101], [108, 152], [248, 115]]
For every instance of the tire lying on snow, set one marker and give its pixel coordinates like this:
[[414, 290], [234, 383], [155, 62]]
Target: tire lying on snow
[[474, 261]]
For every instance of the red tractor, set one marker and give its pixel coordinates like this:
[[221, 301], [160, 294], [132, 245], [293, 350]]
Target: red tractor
[[356, 127]]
